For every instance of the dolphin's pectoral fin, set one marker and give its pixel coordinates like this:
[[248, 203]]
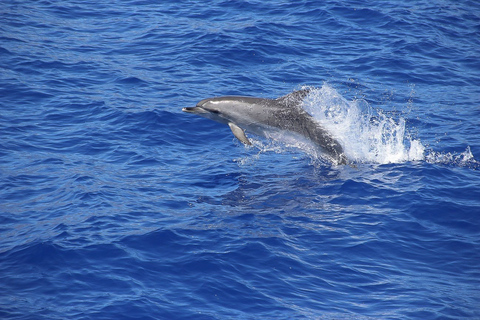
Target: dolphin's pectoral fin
[[239, 133]]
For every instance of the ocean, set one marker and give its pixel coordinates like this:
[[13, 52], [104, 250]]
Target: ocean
[[115, 204]]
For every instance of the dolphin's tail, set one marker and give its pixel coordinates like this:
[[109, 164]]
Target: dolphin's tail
[[342, 159], [328, 144], [333, 148]]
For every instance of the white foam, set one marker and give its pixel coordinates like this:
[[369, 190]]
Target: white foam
[[367, 135], [463, 159]]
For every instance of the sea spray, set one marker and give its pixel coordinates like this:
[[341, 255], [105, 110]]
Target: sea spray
[[366, 134], [464, 159]]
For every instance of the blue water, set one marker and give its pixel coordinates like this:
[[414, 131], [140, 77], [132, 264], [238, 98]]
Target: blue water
[[116, 205]]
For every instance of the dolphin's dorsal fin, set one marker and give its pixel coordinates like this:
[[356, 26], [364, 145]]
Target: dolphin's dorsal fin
[[295, 98], [239, 133]]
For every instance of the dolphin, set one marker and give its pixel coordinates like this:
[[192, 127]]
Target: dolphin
[[261, 116]]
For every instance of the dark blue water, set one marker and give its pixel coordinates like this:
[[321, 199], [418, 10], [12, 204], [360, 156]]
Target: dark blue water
[[116, 205]]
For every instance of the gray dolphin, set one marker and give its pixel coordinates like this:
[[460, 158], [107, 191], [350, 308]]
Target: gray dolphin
[[260, 116]]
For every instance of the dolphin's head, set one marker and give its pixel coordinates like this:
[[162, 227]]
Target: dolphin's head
[[220, 109]]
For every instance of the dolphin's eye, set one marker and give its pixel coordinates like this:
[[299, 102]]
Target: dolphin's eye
[[215, 111]]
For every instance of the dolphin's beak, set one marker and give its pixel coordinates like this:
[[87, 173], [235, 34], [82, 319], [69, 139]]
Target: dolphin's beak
[[195, 110], [188, 109]]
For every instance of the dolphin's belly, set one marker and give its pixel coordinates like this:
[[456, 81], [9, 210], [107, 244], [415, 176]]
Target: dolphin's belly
[[298, 128]]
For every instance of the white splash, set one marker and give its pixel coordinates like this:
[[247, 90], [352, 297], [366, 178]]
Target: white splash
[[367, 135], [463, 159]]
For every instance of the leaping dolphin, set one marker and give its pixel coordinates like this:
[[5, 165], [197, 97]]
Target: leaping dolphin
[[260, 116]]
